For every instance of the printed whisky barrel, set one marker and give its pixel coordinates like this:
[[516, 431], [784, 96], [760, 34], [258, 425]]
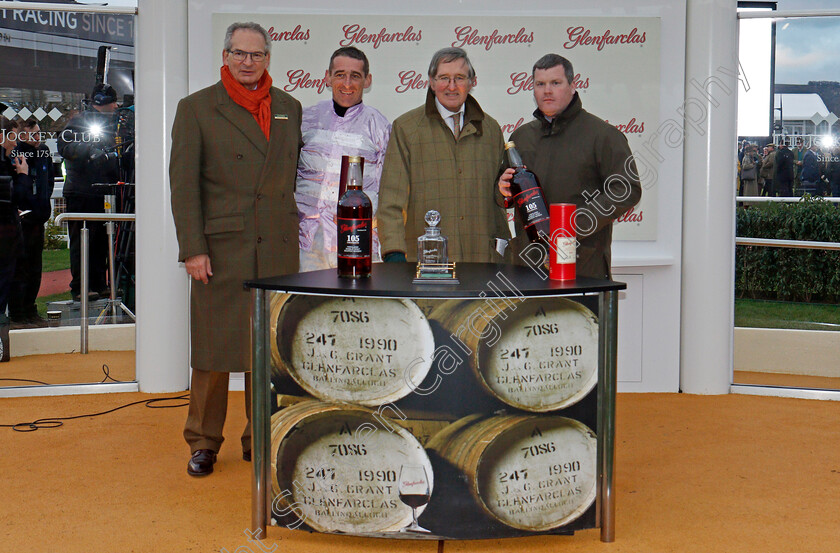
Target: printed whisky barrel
[[336, 468], [276, 302], [529, 472], [538, 355], [369, 351]]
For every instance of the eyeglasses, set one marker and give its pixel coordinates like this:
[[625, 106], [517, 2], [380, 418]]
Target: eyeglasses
[[240, 55], [446, 80]]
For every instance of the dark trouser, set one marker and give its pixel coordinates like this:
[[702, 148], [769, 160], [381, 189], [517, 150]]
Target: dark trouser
[[98, 244], [811, 188], [766, 187], [7, 273], [783, 188], [823, 189], [27, 280], [208, 409]]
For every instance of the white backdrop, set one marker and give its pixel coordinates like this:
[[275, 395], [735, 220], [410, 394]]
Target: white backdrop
[[617, 62], [651, 267]]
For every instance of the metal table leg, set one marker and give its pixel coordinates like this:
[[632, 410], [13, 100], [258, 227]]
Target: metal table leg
[[260, 414], [607, 376]]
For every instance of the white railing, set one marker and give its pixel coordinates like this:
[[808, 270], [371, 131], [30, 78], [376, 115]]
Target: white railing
[[782, 199], [84, 287], [800, 244]]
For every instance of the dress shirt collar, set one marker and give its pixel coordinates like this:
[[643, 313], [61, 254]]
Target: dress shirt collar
[[447, 115]]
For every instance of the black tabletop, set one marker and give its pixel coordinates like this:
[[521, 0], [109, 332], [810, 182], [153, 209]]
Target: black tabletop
[[395, 280]]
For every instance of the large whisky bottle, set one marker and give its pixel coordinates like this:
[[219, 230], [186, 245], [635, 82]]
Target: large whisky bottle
[[527, 197], [355, 222]]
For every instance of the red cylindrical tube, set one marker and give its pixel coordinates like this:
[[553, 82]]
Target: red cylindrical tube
[[561, 265]]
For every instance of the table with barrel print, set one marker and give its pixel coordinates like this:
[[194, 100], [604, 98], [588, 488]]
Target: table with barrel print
[[350, 349], [493, 399]]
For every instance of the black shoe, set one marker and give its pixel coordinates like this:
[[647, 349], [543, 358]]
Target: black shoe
[[201, 462], [20, 324], [246, 455], [92, 296]]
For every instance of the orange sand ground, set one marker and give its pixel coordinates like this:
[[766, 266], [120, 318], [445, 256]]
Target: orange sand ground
[[698, 474], [69, 368]]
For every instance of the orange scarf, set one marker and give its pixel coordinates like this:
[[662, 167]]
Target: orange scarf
[[257, 101]]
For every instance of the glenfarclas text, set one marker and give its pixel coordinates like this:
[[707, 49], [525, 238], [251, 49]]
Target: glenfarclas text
[[580, 36], [356, 34]]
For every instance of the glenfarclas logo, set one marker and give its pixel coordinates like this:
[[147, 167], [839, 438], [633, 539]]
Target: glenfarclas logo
[[300, 79], [356, 34], [524, 197], [411, 80], [522, 81], [631, 216], [510, 127], [354, 227], [580, 36], [295, 34], [467, 36], [631, 127]]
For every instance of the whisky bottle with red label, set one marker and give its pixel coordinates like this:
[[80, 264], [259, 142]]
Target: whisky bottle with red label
[[355, 222], [527, 197]]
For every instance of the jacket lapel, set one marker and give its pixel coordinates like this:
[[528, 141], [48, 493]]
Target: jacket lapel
[[473, 117], [240, 118], [280, 120]]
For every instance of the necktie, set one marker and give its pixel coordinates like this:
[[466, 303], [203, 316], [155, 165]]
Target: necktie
[[456, 125]]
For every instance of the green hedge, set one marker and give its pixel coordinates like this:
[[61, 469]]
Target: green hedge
[[53, 237], [784, 273]]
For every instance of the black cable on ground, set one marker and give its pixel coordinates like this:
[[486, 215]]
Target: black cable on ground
[[106, 370], [55, 422], [23, 380]]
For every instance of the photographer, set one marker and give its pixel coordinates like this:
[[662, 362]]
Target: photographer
[[34, 204], [88, 146], [11, 170]]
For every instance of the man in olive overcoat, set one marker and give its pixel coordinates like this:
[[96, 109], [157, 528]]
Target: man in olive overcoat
[[443, 156], [232, 172]]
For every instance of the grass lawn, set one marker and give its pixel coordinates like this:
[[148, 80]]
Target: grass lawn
[[781, 314], [56, 260]]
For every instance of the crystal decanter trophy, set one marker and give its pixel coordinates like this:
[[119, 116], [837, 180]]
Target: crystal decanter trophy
[[433, 265]]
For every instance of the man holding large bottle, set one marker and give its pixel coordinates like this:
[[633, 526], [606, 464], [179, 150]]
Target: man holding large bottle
[[579, 159], [443, 155]]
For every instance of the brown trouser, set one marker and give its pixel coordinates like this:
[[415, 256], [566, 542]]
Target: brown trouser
[[208, 408]]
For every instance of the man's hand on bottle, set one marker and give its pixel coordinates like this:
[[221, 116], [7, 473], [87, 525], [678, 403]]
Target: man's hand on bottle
[[504, 182], [198, 267]]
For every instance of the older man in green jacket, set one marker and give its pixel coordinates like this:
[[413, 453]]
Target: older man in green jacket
[[445, 156]]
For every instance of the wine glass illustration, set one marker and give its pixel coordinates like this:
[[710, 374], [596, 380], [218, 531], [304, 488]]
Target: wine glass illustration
[[414, 491]]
